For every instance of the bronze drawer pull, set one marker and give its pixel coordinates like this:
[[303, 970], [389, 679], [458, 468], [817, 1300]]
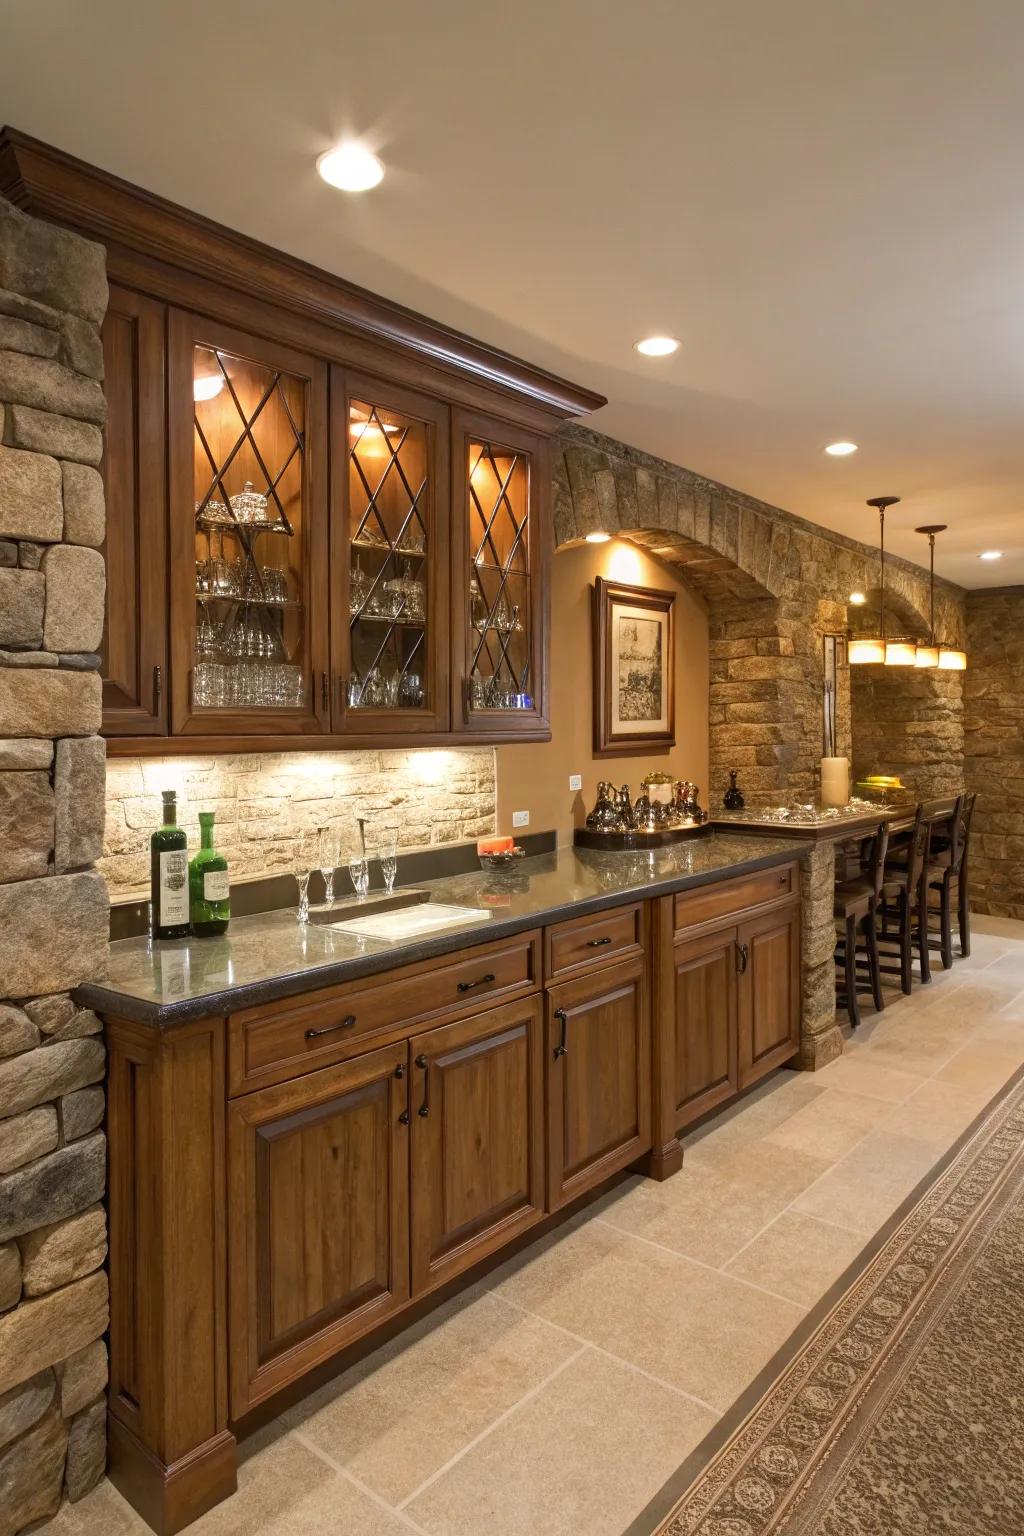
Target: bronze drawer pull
[[742, 956], [330, 1029], [783, 879], [482, 981], [596, 943], [561, 1049], [424, 1065]]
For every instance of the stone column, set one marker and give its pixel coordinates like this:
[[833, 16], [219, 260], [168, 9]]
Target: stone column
[[820, 1037], [53, 904]]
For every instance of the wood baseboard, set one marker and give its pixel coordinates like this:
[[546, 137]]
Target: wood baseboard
[[170, 1497]]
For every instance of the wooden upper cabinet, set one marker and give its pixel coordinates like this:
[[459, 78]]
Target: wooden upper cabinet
[[769, 991], [317, 1216], [247, 434], [598, 1078], [134, 648], [476, 1106], [500, 567], [390, 494]]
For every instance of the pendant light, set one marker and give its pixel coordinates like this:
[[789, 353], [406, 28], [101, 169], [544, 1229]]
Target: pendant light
[[869, 649], [947, 658]]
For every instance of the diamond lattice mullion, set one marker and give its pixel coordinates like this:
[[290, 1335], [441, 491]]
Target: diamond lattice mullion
[[248, 424], [219, 474], [371, 495], [489, 521]]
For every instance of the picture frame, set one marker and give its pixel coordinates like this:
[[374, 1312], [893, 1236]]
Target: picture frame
[[634, 669]]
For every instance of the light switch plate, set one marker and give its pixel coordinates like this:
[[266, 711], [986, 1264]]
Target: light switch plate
[[575, 781], [520, 818]]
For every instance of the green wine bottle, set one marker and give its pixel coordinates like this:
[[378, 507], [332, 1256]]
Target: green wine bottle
[[209, 891], [168, 873]]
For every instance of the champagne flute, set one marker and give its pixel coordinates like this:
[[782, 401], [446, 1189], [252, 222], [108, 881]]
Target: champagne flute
[[359, 873], [330, 855], [307, 848], [388, 857]]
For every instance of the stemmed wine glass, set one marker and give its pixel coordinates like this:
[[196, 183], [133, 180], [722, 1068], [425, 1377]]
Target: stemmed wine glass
[[388, 857], [307, 852], [359, 872], [330, 855]]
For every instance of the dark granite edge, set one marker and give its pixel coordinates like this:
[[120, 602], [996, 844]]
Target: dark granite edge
[[123, 1005]]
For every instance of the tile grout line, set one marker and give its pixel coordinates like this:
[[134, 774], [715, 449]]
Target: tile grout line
[[714, 1269], [608, 1354], [357, 1482], [489, 1429]]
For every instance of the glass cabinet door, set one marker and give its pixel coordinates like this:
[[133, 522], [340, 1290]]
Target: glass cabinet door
[[500, 630], [390, 477], [247, 448]]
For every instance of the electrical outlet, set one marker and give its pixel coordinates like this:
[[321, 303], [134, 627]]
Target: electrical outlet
[[575, 781], [520, 818]]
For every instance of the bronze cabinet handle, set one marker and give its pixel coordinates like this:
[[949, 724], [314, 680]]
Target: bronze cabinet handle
[[158, 686], [742, 956], [325, 697], [481, 981], [596, 943], [561, 1049], [331, 1029], [424, 1065]]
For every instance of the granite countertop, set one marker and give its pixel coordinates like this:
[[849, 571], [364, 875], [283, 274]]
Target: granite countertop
[[271, 955]]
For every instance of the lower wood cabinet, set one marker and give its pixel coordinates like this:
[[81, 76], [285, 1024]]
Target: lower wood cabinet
[[598, 1078], [704, 1025], [768, 996], [318, 1183], [477, 1138]]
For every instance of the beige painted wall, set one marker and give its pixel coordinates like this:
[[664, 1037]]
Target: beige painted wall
[[535, 777]]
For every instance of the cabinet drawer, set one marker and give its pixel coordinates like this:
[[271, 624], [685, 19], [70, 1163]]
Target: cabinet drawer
[[580, 942], [277, 1041], [711, 902]]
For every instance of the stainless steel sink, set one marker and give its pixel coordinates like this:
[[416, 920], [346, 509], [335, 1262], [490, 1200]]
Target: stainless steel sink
[[370, 906]]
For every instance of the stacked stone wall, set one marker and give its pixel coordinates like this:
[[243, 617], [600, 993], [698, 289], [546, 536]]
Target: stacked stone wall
[[994, 748], [53, 904]]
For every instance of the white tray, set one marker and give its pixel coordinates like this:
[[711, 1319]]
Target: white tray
[[411, 922]]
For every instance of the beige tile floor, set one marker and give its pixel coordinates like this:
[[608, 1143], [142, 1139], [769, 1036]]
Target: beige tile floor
[[560, 1393]]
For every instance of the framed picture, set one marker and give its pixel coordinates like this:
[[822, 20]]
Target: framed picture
[[634, 676]]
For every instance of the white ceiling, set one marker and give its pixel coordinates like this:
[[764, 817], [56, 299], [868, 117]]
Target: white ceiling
[[822, 199]]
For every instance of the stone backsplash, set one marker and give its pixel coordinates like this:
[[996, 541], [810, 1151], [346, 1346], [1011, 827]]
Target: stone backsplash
[[429, 796], [53, 904]]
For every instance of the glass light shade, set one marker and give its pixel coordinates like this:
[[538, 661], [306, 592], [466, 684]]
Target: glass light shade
[[900, 653], [209, 386], [927, 656], [861, 652], [951, 660]]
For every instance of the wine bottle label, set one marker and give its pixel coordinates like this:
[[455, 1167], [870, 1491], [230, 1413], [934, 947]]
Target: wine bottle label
[[174, 887], [215, 885]]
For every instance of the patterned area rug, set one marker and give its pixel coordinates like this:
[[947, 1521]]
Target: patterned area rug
[[900, 1411]]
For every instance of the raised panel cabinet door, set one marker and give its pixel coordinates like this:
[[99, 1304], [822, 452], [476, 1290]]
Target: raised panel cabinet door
[[477, 1161], [769, 992], [706, 1073], [318, 1218], [247, 461], [501, 557], [390, 558], [134, 646], [597, 1056]]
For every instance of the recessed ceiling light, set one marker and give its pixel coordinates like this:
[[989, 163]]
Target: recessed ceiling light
[[991, 554], [841, 450], [351, 167], [597, 538], [857, 599], [657, 346]]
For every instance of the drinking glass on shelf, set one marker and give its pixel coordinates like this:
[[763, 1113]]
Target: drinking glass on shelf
[[307, 851], [358, 586], [330, 855], [387, 855], [359, 874]]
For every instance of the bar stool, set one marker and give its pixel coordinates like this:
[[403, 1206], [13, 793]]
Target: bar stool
[[948, 863], [905, 897], [855, 907]]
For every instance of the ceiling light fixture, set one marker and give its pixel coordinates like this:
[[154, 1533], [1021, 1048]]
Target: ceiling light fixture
[[947, 658], [207, 388], [597, 538], [657, 346], [841, 450], [991, 554], [858, 599], [869, 649], [350, 167]]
